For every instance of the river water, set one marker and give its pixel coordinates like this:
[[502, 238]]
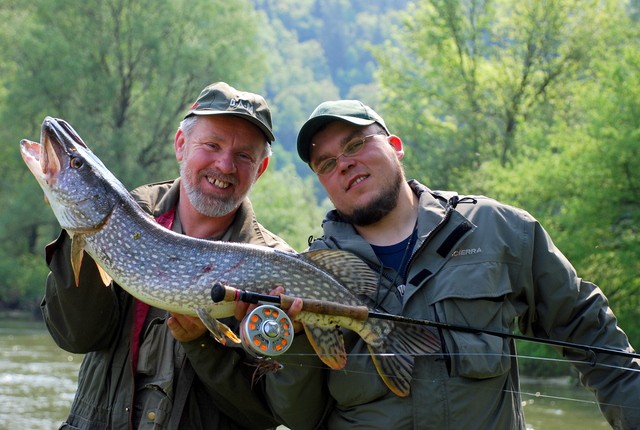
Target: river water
[[37, 382]]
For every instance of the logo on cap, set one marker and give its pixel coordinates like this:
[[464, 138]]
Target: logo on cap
[[241, 104]]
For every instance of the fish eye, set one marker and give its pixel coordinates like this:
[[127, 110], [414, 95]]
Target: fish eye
[[75, 162]]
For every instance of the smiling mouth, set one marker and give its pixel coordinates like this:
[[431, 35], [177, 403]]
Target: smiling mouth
[[356, 181], [218, 183]]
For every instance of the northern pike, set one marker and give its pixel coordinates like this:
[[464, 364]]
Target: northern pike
[[176, 273]]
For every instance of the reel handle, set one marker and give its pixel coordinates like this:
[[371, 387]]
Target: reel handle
[[221, 293]]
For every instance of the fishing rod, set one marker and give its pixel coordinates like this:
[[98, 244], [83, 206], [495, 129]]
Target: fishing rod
[[266, 330]]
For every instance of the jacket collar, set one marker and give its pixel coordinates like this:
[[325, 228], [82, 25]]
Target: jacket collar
[[438, 233]]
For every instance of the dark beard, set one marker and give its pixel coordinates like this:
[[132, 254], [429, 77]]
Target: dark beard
[[379, 207]]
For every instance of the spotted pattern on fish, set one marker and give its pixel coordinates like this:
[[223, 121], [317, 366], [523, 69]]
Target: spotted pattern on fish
[[176, 272]]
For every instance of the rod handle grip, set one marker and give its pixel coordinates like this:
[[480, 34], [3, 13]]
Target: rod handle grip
[[220, 293]]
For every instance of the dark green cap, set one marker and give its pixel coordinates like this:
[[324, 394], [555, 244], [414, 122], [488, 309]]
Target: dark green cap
[[222, 99], [353, 111]]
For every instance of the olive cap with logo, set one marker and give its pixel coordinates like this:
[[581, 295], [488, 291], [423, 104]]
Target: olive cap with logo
[[221, 98], [353, 111]]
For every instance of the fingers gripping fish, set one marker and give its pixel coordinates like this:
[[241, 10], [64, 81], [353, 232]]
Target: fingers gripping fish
[[176, 272]]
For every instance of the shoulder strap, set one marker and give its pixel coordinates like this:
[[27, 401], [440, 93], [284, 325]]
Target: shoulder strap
[[183, 387]]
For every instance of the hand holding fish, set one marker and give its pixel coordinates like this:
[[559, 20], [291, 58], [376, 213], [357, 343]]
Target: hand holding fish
[[244, 308], [185, 328]]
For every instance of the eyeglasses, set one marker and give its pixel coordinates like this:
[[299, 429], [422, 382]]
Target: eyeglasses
[[350, 149]]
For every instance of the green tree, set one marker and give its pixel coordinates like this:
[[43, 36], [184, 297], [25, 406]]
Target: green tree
[[585, 187], [464, 76], [286, 204], [298, 79], [536, 104], [122, 74]]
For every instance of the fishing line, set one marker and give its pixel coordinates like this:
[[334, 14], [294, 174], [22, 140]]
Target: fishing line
[[488, 354], [222, 293], [545, 393]]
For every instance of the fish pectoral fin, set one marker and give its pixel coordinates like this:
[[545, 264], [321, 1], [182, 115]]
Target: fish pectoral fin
[[219, 330], [394, 354], [328, 343], [106, 279], [77, 253]]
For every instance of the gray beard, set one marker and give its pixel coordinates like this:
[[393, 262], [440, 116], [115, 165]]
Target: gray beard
[[207, 205], [379, 207]]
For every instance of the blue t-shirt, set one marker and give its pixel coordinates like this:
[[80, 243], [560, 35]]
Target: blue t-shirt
[[397, 256]]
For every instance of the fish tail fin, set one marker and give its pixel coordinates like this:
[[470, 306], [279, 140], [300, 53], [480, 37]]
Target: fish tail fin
[[394, 354]]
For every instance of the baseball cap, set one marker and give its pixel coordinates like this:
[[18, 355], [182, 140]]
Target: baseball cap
[[221, 98], [353, 111]]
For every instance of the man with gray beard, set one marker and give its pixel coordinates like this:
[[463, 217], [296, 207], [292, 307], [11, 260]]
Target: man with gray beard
[[145, 368]]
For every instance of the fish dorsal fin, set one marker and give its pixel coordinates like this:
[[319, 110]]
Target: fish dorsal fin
[[347, 268]]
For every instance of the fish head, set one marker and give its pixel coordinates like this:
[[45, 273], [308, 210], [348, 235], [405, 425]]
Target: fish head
[[73, 179]]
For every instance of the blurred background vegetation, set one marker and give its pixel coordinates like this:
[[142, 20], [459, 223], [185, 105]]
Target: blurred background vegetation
[[533, 102]]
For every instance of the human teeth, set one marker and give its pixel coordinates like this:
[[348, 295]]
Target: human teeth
[[218, 183], [360, 179]]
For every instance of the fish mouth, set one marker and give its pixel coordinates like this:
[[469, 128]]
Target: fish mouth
[[45, 159], [42, 159]]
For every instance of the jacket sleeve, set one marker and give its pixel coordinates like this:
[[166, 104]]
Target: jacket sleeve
[[83, 318], [231, 379], [570, 309], [298, 393]]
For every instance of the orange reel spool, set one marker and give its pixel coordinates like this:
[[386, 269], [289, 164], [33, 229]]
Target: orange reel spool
[[266, 331]]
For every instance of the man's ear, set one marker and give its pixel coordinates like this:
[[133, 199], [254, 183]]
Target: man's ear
[[262, 167], [179, 143], [396, 142]]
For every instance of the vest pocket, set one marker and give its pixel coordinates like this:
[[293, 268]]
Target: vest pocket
[[476, 355], [475, 296]]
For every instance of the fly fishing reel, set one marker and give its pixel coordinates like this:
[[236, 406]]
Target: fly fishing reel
[[266, 331]]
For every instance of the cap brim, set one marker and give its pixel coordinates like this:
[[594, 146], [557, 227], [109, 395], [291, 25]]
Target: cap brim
[[312, 126], [205, 112]]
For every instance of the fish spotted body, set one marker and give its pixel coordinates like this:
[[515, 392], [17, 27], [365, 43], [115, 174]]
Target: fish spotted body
[[175, 272]]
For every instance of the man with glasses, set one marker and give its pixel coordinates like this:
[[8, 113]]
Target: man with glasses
[[463, 260]]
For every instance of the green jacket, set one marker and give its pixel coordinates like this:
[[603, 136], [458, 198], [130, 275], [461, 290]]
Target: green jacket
[[484, 265], [209, 383]]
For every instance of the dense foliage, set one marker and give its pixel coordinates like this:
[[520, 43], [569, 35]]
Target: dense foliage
[[536, 103]]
